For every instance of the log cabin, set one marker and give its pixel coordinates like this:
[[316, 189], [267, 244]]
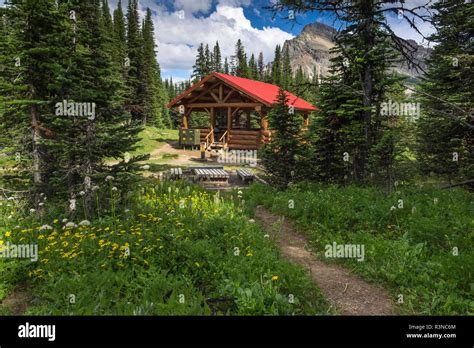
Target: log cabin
[[237, 109]]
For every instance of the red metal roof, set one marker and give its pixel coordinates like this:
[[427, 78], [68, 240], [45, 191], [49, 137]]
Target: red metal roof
[[266, 93]]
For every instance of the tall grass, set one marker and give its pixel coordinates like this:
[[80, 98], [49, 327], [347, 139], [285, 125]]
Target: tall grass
[[418, 241]]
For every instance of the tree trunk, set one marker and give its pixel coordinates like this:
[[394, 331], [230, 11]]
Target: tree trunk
[[36, 156]]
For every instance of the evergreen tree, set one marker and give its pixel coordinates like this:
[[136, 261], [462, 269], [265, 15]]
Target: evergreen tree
[[280, 156], [208, 61], [286, 70], [240, 58], [217, 61], [120, 37], [65, 61], [261, 67], [446, 127], [154, 103], [363, 42], [106, 17], [135, 55], [276, 74], [82, 144], [252, 68], [226, 66], [32, 46], [200, 68], [345, 139]]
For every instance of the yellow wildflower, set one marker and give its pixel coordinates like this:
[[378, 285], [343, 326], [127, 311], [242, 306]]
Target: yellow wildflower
[[274, 278]]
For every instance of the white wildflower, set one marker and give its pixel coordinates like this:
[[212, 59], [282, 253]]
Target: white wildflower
[[46, 227], [69, 224], [85, 223], [109, 177]]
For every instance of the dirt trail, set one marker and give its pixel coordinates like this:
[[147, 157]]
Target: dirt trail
[[184, 156], [17, 301], [349, 294]]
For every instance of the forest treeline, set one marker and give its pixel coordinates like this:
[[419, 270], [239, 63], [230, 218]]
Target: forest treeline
[[78, 84], [371, 125]]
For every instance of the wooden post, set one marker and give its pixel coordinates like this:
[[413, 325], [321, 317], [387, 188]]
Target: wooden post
[[213, 122], [229, 122], [264, 125], [306, 119], [186, 118]]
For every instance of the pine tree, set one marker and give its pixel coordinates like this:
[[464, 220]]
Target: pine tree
[[208, 60], [217, 58], [120, 36], [261, 67], [280, 156], [286, 70], [276, 74], [226, 66], [199, 68], [445, 130], [154, 103], [241, 66], [346, 143], [135, 55], [32, 43], [252, 68], [364, 41]]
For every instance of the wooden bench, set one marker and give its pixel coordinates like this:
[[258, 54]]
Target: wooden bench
[[245, 175], [211, 174], [176, 173]]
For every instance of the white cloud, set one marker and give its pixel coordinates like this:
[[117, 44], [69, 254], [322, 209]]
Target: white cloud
[[193, 6], [178, 39]]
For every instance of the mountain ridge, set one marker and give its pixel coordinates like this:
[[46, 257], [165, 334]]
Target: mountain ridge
[[311, 49]]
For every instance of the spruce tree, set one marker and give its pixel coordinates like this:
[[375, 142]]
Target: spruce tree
[[280, 156], [32, 43], [241, 66], [154, 102], [226, 66], [286, 70], [208, 60], [261, 67], [446, 127], [199, 67], [344, 137], [135, 56], [252, 68], [276, 75], [120, 36], [217, 58]]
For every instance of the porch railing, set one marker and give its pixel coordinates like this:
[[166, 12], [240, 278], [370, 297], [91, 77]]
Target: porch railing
[[207, 140], [224, 137]]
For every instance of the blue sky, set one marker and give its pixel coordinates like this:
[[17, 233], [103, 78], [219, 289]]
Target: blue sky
[[181, 25]]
